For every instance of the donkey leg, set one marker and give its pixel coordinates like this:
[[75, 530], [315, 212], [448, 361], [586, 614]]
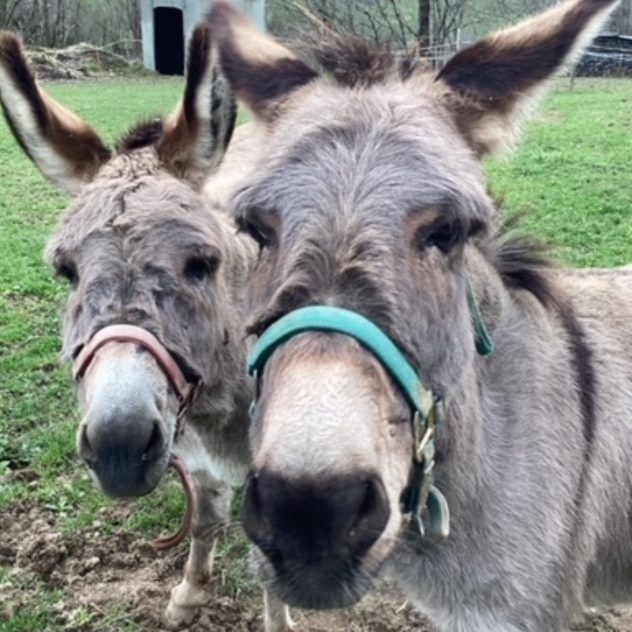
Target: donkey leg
[[211, 514], [276, 615]]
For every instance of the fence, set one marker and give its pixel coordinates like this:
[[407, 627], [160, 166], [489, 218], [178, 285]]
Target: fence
[[609, 56]]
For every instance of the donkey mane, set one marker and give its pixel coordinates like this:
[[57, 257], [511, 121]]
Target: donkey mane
[[356, 63], [144, 134], [521, 259]]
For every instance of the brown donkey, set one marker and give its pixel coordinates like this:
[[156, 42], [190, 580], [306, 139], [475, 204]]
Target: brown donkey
[[491, 477], [154, 319]]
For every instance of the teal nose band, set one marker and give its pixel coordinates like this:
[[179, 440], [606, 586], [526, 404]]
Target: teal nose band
[[343, 321]]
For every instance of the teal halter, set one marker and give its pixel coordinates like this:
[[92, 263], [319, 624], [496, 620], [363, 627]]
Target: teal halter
[[343, 321], [420, 499]]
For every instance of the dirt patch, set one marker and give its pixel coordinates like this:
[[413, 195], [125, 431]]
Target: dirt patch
[[101, 573], [109, 579]]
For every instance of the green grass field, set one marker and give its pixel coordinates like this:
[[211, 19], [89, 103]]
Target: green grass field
[[572, 175]]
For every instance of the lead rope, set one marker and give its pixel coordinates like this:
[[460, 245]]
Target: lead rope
[[168, 542], [191, 500]]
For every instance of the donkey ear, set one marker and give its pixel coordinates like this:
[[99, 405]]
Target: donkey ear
[[496, 82], [197, 134], [261, 71], [65, 148]]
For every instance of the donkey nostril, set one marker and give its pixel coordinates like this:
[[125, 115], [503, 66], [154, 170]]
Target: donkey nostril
[[305, 523], [155, 446], [371, 499], [372, 517], [254, 517]]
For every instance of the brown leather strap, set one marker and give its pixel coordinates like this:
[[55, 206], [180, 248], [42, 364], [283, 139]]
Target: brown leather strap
[[168, 542], [138, 335]]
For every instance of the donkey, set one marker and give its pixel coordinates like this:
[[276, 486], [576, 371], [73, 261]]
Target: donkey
[[154, 318], [435, 398]]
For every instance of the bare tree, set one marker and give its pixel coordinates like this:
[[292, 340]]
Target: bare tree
[[403, 24], [59, 23], [448, 17], [8, 10], [424, 30]]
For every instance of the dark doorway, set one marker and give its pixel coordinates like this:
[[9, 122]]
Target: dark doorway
[[169, 41]]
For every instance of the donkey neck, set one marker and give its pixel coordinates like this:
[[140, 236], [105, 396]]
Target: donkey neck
[[493, 427], [511, 445]]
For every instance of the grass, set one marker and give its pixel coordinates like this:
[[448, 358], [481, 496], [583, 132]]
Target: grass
[[571, 175], [37, 617]]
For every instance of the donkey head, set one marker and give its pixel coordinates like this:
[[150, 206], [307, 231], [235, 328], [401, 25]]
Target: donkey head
[[369, 196], [140, 248]]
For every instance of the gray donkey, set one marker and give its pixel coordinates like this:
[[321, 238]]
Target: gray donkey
[[434, 398], [154, 318]]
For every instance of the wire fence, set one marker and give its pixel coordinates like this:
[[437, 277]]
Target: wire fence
[[609, 56]]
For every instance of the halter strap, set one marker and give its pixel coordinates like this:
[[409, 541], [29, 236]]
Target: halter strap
[[484, 342], [185, 391], [336, 319]]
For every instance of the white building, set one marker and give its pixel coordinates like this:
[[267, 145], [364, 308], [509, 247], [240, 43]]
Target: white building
[[166, 25]]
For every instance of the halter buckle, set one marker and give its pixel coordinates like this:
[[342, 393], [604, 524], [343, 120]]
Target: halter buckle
[[425, 443], [424, 504]]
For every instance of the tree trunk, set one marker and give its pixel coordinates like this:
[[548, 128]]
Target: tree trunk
[[423, 32], [8, 9], [46, 17]]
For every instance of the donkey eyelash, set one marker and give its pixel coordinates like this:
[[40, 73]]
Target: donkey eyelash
[[442, 236], [262, 236], [68, 272]]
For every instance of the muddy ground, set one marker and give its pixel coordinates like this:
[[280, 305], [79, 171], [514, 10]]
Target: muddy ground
[[99, 571]]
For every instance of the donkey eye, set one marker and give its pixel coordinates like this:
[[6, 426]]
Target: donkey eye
[[262, 236], [197, 269], [443, 237], [68, 271]]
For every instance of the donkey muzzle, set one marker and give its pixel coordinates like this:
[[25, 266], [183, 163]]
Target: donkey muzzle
[[318, 531]]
